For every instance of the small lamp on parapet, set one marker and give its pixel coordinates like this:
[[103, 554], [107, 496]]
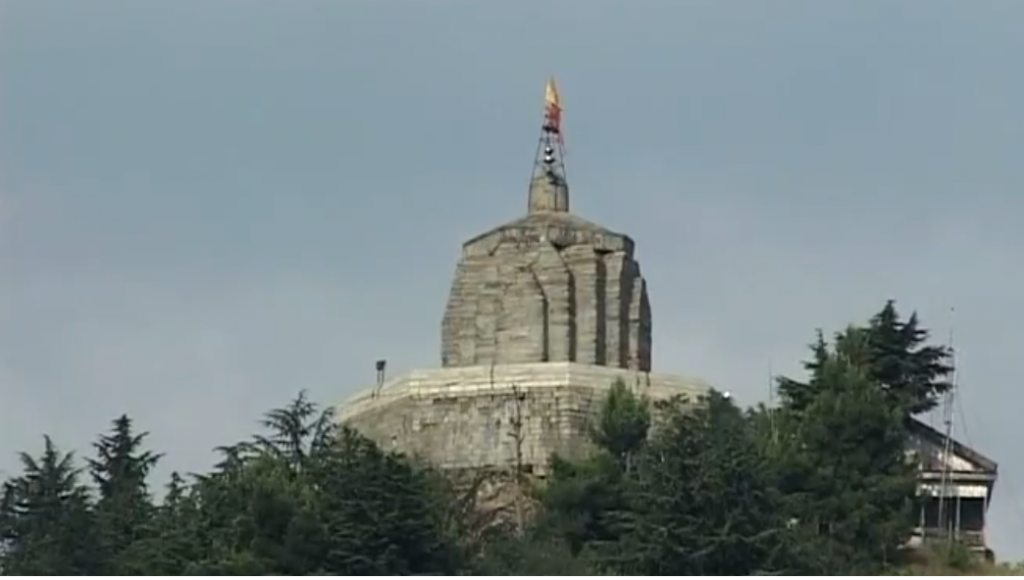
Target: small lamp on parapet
[[381, 364]]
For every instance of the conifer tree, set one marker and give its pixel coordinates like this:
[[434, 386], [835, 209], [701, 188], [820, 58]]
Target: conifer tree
[[894, 353], [378, 513], [622, 424], [913, 373], [703, 502], [297, 432], [841, 466], [124, 509], [176, 542], [584, 496], [45, 521], [798, 395]]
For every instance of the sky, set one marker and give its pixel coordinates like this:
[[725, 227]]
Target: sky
[[207, 206]]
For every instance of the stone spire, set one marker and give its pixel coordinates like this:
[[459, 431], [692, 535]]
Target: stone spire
[[550, 286], [549, 191]]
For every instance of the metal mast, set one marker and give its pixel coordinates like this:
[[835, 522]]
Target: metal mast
[[952, 529], [548, 186]]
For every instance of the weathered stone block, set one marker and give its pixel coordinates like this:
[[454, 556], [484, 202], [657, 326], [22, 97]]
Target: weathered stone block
[[548, 287], [465, 417]]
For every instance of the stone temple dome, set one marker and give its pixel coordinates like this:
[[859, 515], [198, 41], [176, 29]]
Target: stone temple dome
[[548, 287]]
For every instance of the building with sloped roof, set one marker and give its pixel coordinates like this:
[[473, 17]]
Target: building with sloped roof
[[955, 486]]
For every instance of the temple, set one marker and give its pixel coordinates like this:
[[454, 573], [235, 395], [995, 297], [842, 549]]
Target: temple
[[545, 313], [550, 286]]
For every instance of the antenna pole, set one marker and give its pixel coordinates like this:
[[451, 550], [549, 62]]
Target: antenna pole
[[949, 400], [771, 405]]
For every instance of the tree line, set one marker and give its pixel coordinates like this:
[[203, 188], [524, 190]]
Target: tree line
[[817, 484]]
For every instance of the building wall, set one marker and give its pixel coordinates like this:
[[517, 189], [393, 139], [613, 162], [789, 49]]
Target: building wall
[[465, 418]]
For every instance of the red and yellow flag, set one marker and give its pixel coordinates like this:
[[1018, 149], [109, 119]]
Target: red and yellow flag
[[553, 108], [551, 97]]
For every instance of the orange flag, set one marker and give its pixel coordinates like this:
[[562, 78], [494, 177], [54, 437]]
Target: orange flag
[[553, 108]]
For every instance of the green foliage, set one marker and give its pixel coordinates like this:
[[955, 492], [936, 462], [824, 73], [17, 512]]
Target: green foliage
[[842, 467], [397, 532], [583, 497], [306, 499], [894, 354], [956, 560], [702, 503], [538, 552], [622, 424], [581, 501], [816, 486], [912, 373], [124, 510], [838, 441], [45, 523], [301, 499]]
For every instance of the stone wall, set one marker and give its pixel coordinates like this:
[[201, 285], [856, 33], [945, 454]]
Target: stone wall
[[465, 418], [549, 287]]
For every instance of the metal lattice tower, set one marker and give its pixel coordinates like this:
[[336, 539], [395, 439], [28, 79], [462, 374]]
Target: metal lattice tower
[[549, 190]]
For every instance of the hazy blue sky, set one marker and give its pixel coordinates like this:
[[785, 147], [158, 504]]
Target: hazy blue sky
[[207, 205]]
